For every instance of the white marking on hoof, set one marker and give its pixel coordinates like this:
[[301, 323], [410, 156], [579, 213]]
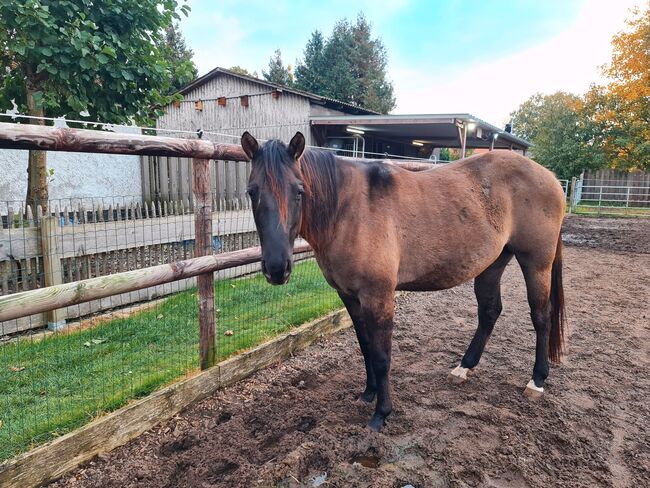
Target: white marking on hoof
[[458, 374], [533, 391]]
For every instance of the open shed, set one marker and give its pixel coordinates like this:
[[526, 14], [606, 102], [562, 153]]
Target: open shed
[[411, 135]]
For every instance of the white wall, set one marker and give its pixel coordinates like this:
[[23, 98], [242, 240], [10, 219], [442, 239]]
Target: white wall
[[76, 176]]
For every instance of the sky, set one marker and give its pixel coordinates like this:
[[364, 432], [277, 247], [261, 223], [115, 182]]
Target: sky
[[452, 56]]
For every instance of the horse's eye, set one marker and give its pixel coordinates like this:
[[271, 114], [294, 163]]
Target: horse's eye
[[252, 191]]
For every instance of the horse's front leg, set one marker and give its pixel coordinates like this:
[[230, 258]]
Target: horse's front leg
[[378, 311], [353, 307]]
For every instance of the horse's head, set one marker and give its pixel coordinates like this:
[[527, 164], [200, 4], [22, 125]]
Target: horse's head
[[276, 190]]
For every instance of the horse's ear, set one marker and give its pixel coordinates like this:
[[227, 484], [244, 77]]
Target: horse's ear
[[297, 145], [249, 145]]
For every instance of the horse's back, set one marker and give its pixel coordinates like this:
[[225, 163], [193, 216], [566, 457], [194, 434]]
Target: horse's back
[[456, 220]]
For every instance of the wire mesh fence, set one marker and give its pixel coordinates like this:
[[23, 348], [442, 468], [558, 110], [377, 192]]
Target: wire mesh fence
[[61, 369]]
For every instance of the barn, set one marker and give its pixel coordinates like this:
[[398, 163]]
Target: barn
[[221, 104]]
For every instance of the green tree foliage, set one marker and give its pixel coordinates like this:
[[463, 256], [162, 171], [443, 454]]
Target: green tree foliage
[[563, 136], [278, 72], [349, 66], [83, 58], [242, 71], [313, 65], [179, 57]]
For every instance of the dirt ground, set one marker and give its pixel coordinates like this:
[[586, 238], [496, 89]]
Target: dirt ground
[[298, 423]]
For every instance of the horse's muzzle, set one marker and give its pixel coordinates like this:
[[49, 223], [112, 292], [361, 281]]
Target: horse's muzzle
[[277, 272]]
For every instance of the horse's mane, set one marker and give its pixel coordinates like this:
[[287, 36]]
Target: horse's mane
[[318, 171], [321, 177]]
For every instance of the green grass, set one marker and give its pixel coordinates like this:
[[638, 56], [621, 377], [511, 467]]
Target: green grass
[[51, 386], [584, 208]]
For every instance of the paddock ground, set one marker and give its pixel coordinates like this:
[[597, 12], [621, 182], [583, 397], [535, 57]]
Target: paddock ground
[[298, 424]]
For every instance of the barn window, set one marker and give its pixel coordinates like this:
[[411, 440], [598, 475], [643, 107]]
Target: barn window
[[244, 100]]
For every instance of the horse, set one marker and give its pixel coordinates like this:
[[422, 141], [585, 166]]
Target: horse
[[376, 228]]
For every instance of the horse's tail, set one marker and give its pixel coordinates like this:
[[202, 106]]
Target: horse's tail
[[558, 314]]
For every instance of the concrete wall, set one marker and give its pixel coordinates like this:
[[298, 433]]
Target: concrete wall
[[76, 176]]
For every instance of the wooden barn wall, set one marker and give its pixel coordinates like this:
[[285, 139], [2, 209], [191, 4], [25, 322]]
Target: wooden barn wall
[[265, 117]]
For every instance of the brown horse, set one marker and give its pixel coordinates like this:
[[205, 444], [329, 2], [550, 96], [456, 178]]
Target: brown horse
[[376, 228]]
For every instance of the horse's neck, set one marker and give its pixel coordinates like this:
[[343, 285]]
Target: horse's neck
[[320, 208]]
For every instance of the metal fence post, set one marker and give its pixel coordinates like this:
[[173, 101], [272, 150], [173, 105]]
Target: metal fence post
[[203, 247], [572, 194]]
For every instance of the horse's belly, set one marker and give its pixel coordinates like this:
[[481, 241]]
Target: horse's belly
[[446, 270], [433, 281]]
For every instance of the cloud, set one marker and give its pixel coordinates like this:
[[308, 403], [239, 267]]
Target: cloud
[[493, 88]]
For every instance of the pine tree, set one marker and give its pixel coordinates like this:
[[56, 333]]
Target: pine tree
[[350, 66], [179, 57], [308, 73], [277, 72]]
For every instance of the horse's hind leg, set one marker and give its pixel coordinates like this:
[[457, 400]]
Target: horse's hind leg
[[538, 286], [487, 287], [353, 307]]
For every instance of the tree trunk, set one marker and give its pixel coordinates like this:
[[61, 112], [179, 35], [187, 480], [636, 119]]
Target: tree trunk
[[37, 190]]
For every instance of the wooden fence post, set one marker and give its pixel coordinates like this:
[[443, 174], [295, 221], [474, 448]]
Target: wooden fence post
[[203, 247], [52, 265]]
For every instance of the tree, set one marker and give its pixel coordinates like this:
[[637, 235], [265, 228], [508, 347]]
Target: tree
[[243, 71], [277, 72], [349, 66], [81, 58], [621, 109], [309, 71], [562, 136], [179, 57]]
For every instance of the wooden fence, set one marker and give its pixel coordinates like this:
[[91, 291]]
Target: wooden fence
[[170, 178], [631, 188], [68, 245], [61, 253]]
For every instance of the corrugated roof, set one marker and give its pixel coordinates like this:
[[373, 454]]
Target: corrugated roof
[[312, 96]]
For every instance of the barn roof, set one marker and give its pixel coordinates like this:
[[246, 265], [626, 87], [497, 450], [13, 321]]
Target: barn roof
[[327, 101]]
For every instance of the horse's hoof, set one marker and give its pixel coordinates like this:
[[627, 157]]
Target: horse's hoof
[[458, 375], [367, 396], [377, 423], [533, 392]]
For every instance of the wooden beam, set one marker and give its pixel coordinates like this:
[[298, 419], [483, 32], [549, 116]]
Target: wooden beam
[[205, 281], [60, 456], [53, 297], [27, 136]]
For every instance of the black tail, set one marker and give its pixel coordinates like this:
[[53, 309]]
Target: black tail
[[558, 315]]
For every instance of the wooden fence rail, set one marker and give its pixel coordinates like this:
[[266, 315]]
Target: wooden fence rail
[[74, 245]]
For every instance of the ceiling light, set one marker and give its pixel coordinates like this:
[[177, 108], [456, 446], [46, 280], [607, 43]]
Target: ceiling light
[[417, 143], [354, 130]]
